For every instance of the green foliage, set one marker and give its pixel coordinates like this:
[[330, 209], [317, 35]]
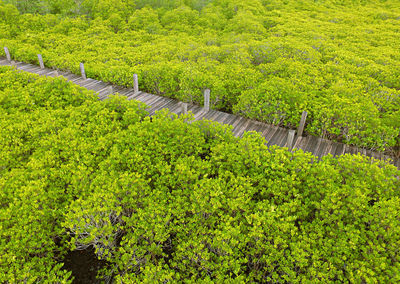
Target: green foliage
[[267, 60], [169, 199], [47, 128]]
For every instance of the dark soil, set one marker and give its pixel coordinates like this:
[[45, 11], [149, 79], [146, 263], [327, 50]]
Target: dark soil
[[84, 265]]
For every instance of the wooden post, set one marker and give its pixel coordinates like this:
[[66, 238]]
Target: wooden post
[[302, 124], [290, 139], [40, 61], [56, 73], [135, 84], [82, 67], [207, 99], [14, 64], [7, 54], [184, 108]]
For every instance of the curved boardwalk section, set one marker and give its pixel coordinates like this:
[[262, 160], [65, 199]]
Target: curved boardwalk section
[[273, 134]]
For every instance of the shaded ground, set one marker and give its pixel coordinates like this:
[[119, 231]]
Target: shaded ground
[[84, 265]]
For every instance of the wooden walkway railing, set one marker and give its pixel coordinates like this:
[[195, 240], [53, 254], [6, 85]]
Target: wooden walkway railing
[[274, 135]]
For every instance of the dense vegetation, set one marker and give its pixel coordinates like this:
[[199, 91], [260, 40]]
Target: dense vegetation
[[267, 60], [162, 199]]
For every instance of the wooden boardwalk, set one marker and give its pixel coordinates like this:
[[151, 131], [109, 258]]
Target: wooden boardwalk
[[273, 134]]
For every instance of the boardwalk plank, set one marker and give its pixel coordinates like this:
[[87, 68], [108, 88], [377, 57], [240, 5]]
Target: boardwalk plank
[[139, 96], [134, 96], [260, 129], [271, 131], [96, 85], [202, 112], [299, 143], [252, 126], [224, 116], [93, 85], [175, 108], [333, 148], [236, 123], [241, 127], [156, 102], [221, 116], [149, 100], [160, 104], [168, 106], [28, 67], [212, 115], [311, 143], [326, 148], [275, 137], [229, 120], [317, 147], [281, 141]]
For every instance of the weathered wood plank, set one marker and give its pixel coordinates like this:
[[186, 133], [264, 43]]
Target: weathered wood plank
[[226, 119], [332, 148], [261, 129], [241, 127], [54, 74], [103, 93], [133, 95], [323, 144], [4, 62], [265, 130], [89, 84], [275, 137], [224, 116], [281, 141], [326, 148], [70, 77], [229, 120], [175, 108], [149, 99], [28, 68], [121, 90], [139, 96], [251, 126], [220, 116], [299, 144], [78, 81], [236, 122], [160, 104], [211, 115], [271, 132], [168, 106], [199, 115], [194, 109], [312, 142], [95, 85], [155, 102], [290, 139], [146, 97], [18, 64]]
